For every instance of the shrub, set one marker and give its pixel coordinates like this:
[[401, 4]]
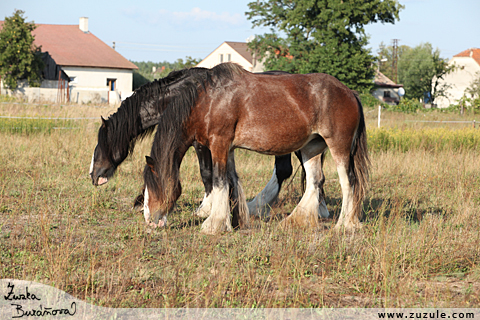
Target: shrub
[[406, 105]]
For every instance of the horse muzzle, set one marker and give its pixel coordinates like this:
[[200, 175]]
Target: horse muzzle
[[161, 222], [98, 180]]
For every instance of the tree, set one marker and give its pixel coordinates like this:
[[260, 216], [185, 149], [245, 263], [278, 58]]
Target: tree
[[188, 63], [472, 93], [320, 36], [474, 89], [420, 70], [19, 57], [145, 71]]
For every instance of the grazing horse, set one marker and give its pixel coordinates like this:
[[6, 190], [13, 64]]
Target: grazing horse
[[138, 116], [227, 107]]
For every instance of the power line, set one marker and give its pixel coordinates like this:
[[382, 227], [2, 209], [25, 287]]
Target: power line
[[395, 60]]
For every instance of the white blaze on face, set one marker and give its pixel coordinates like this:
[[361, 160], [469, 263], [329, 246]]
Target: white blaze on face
[[91, 164], [146, 209], [147, 215]]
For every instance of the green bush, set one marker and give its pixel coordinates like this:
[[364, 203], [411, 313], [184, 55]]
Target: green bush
[[406, 105], [369, 101]]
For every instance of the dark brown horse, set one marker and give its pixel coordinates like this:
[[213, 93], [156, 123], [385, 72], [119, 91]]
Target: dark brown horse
[[228, 107], [138, 116]]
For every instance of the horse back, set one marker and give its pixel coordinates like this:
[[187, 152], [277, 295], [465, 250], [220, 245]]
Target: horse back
[[274, 113]]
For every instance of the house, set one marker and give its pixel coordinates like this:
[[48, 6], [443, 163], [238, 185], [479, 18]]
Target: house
[[386, 90], [468, 69], [95, 71], [230, 51]]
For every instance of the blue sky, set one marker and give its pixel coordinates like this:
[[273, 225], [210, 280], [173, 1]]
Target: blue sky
[[148, 30]]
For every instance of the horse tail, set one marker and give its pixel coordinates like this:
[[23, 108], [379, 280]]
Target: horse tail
[[359, 166]]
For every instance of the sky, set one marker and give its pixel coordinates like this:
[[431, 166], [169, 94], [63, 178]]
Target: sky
[[149, 30]]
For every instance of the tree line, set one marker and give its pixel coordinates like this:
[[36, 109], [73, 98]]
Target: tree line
[[149, 71]]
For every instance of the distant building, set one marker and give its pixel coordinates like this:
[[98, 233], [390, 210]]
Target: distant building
[[385, 89], [230, 51], [94, 71], [468, 63]]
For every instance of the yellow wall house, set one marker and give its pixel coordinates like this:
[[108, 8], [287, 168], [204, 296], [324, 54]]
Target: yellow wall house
[[233, 52], [468, 63], [94, 72]]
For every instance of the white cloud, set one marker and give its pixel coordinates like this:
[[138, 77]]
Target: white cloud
[[193, 18]]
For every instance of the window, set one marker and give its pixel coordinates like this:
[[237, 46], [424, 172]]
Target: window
[[112, 84], [229, 57], [386, 94], [221, 57]]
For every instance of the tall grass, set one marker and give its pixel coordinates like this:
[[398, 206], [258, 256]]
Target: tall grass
[[418, 247], [430, 139]]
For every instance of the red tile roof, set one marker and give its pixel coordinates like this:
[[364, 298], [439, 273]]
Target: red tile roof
[[69, 46], [473, 52]]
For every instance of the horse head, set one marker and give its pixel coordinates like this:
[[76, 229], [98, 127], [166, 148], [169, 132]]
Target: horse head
[[103, 164]]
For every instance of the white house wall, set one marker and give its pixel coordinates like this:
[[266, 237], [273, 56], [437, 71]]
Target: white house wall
[[90, 84], [379, 93], [214, 58], [459, 80]]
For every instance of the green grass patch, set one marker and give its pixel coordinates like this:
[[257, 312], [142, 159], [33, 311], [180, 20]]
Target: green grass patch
[[430, 139], [35, 125]]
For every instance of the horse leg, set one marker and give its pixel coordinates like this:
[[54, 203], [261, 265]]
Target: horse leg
[[238, 201], [205, 162], [310, 206], [219, 219], [323, 211], [260, 206], [348, 217], [303, 177]]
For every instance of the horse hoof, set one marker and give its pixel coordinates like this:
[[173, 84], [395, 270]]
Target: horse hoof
[[347, 227], [302, 219], [261, 213], [208, 227], [202, 212]]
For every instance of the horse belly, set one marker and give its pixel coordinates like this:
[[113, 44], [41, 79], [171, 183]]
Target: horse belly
[[272, 139]]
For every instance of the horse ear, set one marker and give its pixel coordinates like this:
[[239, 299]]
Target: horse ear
[[138, 202], [150, 163], [104, 122]]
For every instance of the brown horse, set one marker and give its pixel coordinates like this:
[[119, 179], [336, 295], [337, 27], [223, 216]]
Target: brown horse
[[138, 116], [227, 107]]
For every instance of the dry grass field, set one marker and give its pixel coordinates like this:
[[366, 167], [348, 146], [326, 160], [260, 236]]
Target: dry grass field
[[419, 246]]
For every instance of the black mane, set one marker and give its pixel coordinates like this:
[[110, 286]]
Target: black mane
[[125, 127]]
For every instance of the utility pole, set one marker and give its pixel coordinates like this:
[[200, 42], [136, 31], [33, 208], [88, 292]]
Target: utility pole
[[395, 59]]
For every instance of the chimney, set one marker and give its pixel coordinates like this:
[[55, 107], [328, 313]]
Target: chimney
[[83, 25], [471, 52]]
